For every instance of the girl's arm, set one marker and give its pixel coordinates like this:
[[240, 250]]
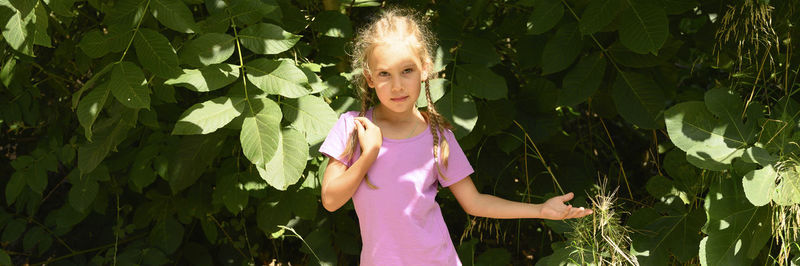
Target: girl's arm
[[484, 205], [339, 182]]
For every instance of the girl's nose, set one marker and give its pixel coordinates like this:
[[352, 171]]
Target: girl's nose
[[396, 84]]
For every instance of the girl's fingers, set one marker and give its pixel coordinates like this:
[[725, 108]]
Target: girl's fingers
[[567, 197], [359, 127]]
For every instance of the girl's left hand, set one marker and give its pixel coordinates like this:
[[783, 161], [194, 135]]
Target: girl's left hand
[[555, 209]]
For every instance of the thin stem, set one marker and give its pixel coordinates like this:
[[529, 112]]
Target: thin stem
[[87, 250], [226, 234], [541, 158], [134, 33]]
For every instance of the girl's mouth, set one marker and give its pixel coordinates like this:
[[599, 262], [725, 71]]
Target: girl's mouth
[[399, 99]]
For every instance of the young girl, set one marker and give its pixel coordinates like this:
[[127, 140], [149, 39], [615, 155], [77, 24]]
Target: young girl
[[390, 156]]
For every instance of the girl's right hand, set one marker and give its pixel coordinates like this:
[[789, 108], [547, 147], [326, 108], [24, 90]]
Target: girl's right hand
[[369, 135]]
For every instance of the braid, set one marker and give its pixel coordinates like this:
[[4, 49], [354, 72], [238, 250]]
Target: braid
[[352, 142], [438, 124]]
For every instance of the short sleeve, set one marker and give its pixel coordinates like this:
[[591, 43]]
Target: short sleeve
[[458, 166], [336, 141]]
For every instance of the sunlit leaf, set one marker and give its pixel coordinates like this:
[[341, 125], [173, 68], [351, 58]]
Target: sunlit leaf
[[264, 38]]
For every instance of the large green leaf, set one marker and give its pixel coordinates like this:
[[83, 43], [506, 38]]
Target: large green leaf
[[126, 13], [83, 191], [280, 77], [208, 78], [173, 14], [598, 14], [90, 106], [208, 49], [643, 26], [458, 108], [15, 186], [260, 136], [247, 12], [191, 158], [712, 139], [562, 49], [583, 80], [664, 235], [94, 44], [333, 24], [481, 82], [286, 167], [88, 85], [208, 116], [167, 235], [759, 185], [129, 86], [19, 30], [40, 36], [264, 38], [737, 230], [437, 91], [311, 115], [156, 54], [639, 99], [545, 16]]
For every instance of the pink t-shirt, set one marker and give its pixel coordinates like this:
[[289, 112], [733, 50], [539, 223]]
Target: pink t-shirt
[[401, 223]]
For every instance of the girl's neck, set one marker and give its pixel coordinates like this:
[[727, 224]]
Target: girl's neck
[[384, 114]]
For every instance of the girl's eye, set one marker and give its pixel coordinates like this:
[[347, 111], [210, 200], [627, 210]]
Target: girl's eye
[[383, 74], [408, 70]]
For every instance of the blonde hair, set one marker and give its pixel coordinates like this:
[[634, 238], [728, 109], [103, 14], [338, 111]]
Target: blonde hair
[[404, 25]]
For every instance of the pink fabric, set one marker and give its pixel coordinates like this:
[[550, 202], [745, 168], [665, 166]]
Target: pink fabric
[[401, 223]]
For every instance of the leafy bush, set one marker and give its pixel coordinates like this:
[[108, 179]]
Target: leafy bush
[[154, 132]]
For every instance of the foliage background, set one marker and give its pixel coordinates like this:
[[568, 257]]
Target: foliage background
[[186, 132]]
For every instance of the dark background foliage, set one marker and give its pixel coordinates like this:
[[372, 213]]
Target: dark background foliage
[[186, 132]]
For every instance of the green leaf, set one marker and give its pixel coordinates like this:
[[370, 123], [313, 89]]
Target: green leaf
[[94, 44], [41, 36], [142, 173], [231, 193], [562, 49], [711, 143], [737, 230], [90, 106], [437, 91], [83, 192], [62, 8], [191, 158], [167, 235], [494, 256], [583, 80], [311, 115], [247, 12], [129, 86], [598, 14], [332, 24], [206, 79], [96, 77], [759, 185], [479, 51], [208, 49], [290, 158], [481, 82], [545, 16], [263, 38], [643, 27], [260, 136], [458, 108], [787, 191], [156, 54], [126, 13], [208, 116], [18, 31], [173, 14], [109, 134], [15, 186], [672, 234], [280, 77], [639, 99], [14, 230], [4, 258]]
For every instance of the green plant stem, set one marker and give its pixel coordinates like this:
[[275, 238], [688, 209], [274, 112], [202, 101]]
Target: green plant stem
[[136, 30], [541, 158], [241, 64], [303, 240], [226, 235]]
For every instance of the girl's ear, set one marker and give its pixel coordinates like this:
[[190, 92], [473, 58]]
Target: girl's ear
[[368, 78]]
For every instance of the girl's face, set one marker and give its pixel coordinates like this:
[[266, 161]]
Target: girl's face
[[395, 73]]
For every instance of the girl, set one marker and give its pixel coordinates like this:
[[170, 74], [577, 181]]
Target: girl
[[404, 153]]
